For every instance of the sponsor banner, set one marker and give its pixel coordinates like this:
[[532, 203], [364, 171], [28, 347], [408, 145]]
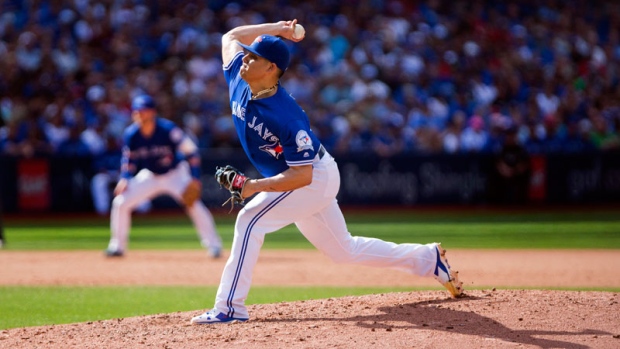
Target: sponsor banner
[[410, 180], [538, 179], [63, 184], [33, 187], [585, 178]]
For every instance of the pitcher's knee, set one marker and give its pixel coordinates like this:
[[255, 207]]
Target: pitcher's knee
[[342, 257], [244, 218]]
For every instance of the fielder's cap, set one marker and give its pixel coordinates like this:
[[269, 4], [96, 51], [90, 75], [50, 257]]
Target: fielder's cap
[[142, 102], [272, 48]]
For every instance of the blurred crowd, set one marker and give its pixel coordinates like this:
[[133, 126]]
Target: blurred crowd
[[374, 76]]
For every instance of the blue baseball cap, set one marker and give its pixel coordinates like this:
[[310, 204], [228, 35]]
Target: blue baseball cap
[[272, 48], [142, 102]]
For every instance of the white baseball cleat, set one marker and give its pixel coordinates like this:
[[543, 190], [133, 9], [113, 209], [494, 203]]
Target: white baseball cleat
[[448, 278], [211, 317]]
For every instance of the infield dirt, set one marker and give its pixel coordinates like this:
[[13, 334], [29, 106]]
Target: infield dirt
[[501, 309]]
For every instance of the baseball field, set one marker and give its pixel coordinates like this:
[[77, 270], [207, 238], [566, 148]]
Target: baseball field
[[534, 278]]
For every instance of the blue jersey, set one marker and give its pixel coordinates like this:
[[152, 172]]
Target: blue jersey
[[157, 153], [274, 132]]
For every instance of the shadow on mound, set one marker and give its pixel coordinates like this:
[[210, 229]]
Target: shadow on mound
[[476, 316], [433, 314]]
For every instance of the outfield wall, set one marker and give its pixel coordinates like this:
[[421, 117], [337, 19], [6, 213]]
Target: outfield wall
[[63, 184]]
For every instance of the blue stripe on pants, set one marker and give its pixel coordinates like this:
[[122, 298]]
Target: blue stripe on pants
[[246, 239]]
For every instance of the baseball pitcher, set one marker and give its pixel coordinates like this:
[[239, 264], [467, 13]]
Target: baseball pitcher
[[301, 178]]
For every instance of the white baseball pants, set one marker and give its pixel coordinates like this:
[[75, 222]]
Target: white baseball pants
[[315, 211], [101, 193], [147, 185]]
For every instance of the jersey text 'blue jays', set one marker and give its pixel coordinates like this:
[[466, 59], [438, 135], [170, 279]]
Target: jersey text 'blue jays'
[[275, 136]]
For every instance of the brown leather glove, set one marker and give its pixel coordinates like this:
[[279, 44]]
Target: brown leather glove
[[192, 193]]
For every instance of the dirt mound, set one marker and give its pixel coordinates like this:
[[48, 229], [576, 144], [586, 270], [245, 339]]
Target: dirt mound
[[482, 319]]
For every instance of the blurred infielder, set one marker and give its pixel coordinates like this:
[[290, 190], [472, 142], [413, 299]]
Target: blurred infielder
[[300, 181], [150, 151], [106, 166]]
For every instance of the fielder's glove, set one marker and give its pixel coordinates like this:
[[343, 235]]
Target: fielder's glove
[[233, 180], [191, 193]]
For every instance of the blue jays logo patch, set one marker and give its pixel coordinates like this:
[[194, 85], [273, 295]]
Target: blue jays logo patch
[[274, 149], [303, 141]]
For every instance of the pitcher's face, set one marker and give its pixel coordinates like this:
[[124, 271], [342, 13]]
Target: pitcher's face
[[255, 67]]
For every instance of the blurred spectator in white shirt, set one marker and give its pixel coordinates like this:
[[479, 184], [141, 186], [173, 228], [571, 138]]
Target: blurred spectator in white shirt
[[451, 136], [474, 136]]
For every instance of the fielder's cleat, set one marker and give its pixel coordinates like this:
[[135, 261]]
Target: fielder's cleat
[[448, 278], [211, 317], [113, 253], [215, 252]]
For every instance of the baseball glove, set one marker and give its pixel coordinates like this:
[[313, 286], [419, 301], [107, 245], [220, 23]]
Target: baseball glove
[[232, 180], [191, 193]]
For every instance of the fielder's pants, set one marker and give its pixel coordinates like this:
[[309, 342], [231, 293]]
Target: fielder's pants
[[145, 186]]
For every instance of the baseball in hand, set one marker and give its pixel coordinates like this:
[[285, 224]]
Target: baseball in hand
[[299, 32]]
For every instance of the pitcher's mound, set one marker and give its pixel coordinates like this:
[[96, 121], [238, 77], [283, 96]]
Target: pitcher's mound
[[429, 319]]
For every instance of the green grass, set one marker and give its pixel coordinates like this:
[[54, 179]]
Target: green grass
[[566, 229], [37, 306], [461, 229]]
